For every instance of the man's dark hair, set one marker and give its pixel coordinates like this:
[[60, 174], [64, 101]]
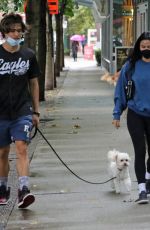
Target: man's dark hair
[[8, 20]]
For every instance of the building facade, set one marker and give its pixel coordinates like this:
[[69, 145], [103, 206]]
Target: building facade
[[122, 21], [125, 21]]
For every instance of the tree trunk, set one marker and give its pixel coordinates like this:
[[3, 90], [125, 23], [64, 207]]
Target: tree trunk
[[61, 44], [42, 47], [58, 41], [35, 38], [49, 78], [32, 21]]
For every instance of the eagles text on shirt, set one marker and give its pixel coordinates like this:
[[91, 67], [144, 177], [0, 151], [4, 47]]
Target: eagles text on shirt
[[19, 67]]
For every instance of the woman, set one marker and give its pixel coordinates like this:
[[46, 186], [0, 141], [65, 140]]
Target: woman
[[75, 45], [133, 92]]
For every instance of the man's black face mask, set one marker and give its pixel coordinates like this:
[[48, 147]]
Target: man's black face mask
[[145, 53]]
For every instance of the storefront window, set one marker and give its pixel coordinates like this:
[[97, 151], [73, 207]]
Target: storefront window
[[122, 23]]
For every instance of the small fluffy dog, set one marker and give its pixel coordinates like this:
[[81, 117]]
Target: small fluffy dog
[[119, 168]]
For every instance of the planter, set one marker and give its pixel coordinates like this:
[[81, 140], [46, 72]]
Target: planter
[[98, 56]]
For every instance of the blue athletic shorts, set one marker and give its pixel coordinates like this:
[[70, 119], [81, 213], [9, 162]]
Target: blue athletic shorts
[[19, 129]]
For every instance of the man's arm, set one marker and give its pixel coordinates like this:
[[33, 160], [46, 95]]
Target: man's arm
[[34, 91]]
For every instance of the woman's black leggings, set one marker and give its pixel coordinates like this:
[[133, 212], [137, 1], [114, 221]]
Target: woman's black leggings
[[139, 129]]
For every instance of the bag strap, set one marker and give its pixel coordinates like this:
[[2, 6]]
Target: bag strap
[[129, 73]]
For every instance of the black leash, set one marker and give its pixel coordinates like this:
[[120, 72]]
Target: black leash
[[37, 129]]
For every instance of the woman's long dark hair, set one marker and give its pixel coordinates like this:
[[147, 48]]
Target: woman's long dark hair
[[136, 54]]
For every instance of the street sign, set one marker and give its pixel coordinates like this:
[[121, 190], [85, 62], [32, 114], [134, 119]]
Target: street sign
[[53, 6]]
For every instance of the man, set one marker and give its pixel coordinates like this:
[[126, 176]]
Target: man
[[19, 105]]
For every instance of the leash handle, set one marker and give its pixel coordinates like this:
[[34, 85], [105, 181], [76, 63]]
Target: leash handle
[[35, 132], [37, 129]]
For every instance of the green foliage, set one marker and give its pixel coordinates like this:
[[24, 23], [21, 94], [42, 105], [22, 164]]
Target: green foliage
[[66, 7], [98, 56], [18, 5], [4, 5], [66, 52], [81, 21]]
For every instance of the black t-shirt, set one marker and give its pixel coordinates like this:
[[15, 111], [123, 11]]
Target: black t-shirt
[[16, 69]]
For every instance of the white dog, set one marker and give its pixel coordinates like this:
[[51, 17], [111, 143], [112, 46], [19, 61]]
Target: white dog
[[119, 168]]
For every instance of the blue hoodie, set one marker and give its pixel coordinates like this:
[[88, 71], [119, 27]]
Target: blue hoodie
[[140, 103]]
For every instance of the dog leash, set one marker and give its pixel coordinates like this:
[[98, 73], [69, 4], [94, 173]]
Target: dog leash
[[80, 178]]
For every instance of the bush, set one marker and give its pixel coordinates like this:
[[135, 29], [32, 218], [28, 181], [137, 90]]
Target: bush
[[98, 56], [66, 52]]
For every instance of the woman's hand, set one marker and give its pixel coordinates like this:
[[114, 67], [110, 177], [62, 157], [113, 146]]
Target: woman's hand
[[116, 123]]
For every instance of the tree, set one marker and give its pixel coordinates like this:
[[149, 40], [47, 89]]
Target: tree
[[41, 51], [58, 18], [81, 21], [32, 22], [17, 5], [49, 72], [65, 8], [36, 36], [4, 5]]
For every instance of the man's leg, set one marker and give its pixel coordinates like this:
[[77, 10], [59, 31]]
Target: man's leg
[[22, 158], [4, 162], [5, 141], [21, 135], [25, 198], [4, 170], [20, 132]]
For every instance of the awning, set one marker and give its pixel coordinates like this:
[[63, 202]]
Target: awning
[[88, 3], [96, 7]]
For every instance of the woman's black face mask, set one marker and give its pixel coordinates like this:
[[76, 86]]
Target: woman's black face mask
[[145, 53]]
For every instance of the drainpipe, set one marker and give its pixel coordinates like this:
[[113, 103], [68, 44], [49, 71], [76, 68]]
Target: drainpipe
[[134, 4]]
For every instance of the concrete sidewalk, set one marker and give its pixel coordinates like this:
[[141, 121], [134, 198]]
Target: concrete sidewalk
[[79, 116]]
